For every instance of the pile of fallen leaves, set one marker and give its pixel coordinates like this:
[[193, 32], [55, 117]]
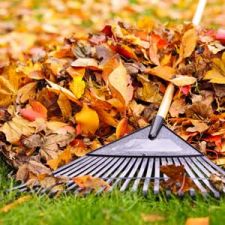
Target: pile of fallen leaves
[[60, 104]]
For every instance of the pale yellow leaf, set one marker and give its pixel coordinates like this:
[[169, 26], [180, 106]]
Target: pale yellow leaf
[[152, 217], [120, 84], [181, 80]]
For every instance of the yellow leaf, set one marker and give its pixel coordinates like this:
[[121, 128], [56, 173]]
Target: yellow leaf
[[120, 84], [188, 43], [88, 119], [214, 76], [7, 92], [181, 80], [152, 217], [77, 86], [197, 221], [14, 204], [164, 72], [58, 89], [27, 92]]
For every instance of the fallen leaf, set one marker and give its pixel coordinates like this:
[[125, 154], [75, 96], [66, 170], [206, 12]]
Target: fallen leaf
[[77, 86], [90, 182], [197, 221], [65, 106], [122, 128], [214, 76], [120, 84], [181, 80], [88, 119], [152, 217], [7, 92], [177, 107], [178, 180], [16, 203], [86, 63], [17, 127], [164, 72], [35, 111]]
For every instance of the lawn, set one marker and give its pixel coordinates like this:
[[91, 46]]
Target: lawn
[[114, 208]]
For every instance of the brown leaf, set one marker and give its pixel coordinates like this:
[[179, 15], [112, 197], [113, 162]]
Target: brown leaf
[[177, 107], [178, 181]]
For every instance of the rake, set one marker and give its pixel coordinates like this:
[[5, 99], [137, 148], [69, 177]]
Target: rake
[[134, 161]]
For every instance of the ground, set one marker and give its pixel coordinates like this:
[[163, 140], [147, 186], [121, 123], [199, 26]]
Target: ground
[[114, 208]]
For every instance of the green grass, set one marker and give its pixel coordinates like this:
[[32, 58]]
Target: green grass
[[108, 209]]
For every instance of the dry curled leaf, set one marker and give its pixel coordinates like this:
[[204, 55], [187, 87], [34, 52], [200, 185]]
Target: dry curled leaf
[[88, 182], [152, 217]]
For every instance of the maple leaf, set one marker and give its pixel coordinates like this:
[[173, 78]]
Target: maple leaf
[[217, 73], [88, 119], [120, 84]]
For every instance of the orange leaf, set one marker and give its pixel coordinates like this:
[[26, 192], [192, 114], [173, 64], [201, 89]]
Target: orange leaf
[[89, 182], [37, 110], [122, 128], [164, 72], [197, 221]]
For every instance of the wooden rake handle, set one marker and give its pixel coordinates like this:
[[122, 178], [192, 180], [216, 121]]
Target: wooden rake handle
[[168, 97]]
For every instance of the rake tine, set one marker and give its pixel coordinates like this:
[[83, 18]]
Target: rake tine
[[215, 167], [180, 193], [121, 163], [100, 169], [71, 165], [193, 177], [148, 174], [140, 174], [164, 163], [131, 174], [200, 175], [80, 166], [156, 176], [123, 174]]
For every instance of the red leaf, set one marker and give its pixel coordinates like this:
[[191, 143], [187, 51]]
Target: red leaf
[[185, 89], [217, 139], [220, 35], [161, 43], [37, 110]]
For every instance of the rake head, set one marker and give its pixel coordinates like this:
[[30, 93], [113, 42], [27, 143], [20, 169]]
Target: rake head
[[134, 161]]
